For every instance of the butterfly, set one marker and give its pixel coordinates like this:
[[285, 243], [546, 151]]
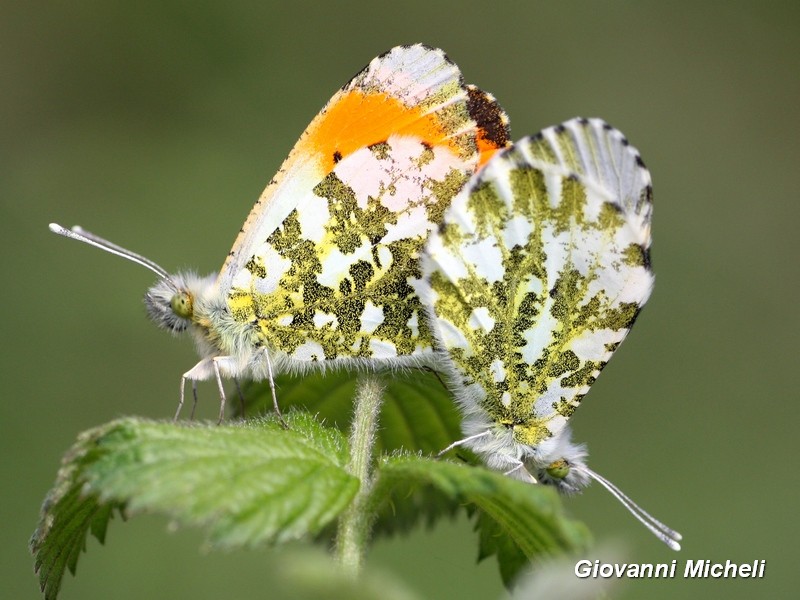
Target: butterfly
[[319, 274], [531, 282]]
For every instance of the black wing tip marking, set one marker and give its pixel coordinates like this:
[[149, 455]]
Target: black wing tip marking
[[489, 116]]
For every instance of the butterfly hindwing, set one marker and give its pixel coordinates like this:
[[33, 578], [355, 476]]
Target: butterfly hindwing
[[538, 272], [593, 149]]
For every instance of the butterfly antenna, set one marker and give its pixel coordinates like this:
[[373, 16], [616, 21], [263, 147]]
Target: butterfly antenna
[[667, 535], [80, 234]]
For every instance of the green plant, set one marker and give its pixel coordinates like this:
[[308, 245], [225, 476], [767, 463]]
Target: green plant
[[252, 482]]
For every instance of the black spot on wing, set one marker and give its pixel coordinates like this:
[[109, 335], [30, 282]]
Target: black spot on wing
[[488, 115], [646, 258]]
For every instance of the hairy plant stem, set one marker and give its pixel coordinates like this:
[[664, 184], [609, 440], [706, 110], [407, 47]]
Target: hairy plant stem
[[355, 522]]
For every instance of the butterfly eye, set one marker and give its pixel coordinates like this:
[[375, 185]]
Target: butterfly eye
[[181, 304], [558, 469]]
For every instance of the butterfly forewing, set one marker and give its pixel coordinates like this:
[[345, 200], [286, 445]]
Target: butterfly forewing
[[321, 269]]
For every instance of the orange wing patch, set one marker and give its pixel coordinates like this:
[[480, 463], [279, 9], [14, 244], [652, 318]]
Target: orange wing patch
[[358, 119]]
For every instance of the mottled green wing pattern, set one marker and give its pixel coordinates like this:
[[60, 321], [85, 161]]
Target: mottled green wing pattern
[[538, 272], [322, 267], [596, 151], [331, 281]]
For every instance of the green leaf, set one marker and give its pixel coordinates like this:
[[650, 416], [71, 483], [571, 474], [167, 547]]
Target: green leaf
[[511, 559], [517, 521], [69, 512], [418, 413], [249, 484]]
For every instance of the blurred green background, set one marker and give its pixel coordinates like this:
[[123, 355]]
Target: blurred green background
[[157, 124]]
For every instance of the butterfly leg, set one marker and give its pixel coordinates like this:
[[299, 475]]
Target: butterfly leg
[[194, 396], [199, 372], [217, 360], [272, 389], [180, 400], [520, 466], [435, 374], [241, 395], [464, 441]]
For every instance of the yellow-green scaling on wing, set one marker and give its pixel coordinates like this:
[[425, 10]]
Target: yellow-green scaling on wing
[[536, 276]]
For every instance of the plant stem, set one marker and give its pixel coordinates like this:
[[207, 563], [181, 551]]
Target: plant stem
[[354, 524]]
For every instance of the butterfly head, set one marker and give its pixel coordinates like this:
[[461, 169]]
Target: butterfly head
[[555, 460], [172, 301], [570, 474], [528, 451]]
